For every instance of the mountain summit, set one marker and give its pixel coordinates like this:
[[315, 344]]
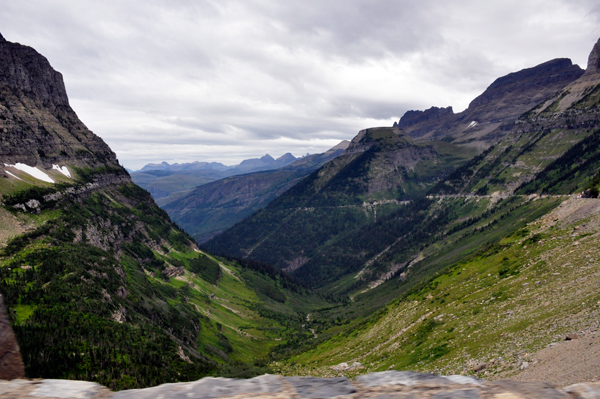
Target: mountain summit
[[500, 104]]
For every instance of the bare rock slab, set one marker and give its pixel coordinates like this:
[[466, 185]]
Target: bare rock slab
[[67, 389], [320, 388], [409, 378], [207, 388]]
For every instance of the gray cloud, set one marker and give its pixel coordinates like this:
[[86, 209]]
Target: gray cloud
[[182, 80]]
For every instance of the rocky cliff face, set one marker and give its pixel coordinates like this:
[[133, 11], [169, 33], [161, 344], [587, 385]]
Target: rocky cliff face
[[37, 125]]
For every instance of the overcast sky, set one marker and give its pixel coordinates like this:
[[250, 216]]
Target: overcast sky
[[226, 80]]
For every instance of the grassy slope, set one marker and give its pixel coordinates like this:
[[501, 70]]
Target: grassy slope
[[503, 278], [493, 307]]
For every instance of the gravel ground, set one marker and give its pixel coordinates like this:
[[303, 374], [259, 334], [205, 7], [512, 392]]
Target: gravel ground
[[565, 363]]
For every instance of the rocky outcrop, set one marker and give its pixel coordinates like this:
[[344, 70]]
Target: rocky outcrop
[[385, 385], [37, 124], [11, 364]]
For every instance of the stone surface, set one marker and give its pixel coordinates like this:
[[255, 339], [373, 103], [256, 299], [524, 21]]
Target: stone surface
[[67, 389], [312, 387], [455, 394], [588, 390], [386, 385], [207, 388], [11, 364], [531, 390], [409, 378]]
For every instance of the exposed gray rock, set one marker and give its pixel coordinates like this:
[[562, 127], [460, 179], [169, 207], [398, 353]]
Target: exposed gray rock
[[206, 388], [39, 126], [531, 390], [419, 386], [409, 378], [457, 394], [312, 387], [586, 390], [593, 66], [67, 389]]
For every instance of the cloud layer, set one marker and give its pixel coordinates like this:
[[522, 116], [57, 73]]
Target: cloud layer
[[185, 80]]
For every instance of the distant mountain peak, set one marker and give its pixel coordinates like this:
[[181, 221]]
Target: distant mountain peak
[[267, 158], [593, 66], [2, 39], [287, 157]]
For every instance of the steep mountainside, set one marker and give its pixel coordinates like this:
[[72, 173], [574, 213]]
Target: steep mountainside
[[97, 281], [212, 208], [381, 170], [497, 262]]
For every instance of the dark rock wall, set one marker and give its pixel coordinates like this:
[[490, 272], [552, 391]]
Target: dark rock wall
[[37, 124], [11, 364]]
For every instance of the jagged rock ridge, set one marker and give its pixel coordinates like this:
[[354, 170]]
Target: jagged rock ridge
[[501, 103]]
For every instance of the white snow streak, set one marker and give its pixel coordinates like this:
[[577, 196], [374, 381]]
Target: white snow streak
[[16, 177], [35, 172], [62, 169]]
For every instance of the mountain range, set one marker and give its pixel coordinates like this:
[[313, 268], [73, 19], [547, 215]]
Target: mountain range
[[450, 243], [266, 162], [163, 179], [501, 248], [383, 168]]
